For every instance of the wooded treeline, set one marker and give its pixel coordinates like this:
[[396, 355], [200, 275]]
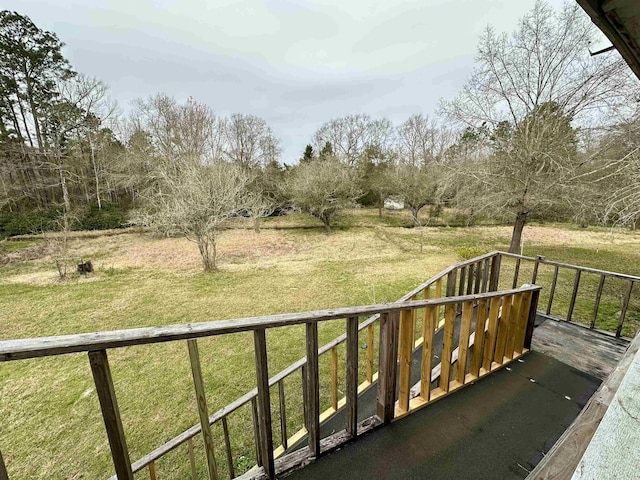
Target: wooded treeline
[[541, 130]]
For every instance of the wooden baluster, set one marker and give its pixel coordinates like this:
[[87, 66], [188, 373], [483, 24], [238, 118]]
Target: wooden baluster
[[625, 307], [313, 389], [283, 416], [370, 338], [438, 295], [516, 273], [478, 280], [596, 305], [494, 276], [512, 332], [192, 460], [203, 411], [463, 344], [481, 317], [227, 447], [533, 312], [406, 349], [451, 283], [438, 288], [388, 346], [553, 289], [503, 330], [334, 378], [492, 334], [304, 397], [574, 294], [3, 469], [463, 276], [428, 327], [352, 377], [264, 402], [110, 413], [485, 275], [152, 471], [536, 265], [470, 280], [522, 322], [256, 431], [447, 345]]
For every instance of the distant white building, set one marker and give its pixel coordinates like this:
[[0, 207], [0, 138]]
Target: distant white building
[[393, 204]]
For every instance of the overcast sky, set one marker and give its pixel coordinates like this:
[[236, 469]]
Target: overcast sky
[[296, 63]]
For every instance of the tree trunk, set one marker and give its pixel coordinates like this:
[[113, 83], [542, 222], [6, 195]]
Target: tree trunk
[[207, 247], [414, 214], [327, 224], [516, 237]]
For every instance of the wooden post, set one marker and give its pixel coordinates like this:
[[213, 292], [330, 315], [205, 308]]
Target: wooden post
[[283, 416], [533, 311], [264, 402], [536, 265], [313, 389], [574, 294], [192, 460], [406, 350], [503, 329], [256, 430], [111, 414], [438, 295], [463, 276], [478, 344], [470, 279], [305, 402], [203, 411], [3, 469], [427, 352], [516, 273], [596, 305], [463, 344], [625, 307], [152, 471], [494, 276], [334, 378], [370, 334], [352, 377], [485, 274], [387, 349], [492, 334], [510, 344], [447, 345], [553, 289], [451, 284], [227, 447], [524, 316], [478, 279]]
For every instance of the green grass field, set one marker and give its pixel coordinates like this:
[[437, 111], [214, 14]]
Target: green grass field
[[50, 422]]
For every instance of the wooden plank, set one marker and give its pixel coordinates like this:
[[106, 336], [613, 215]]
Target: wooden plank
[[531, 320], [524, 310], [471, 274], [334, 378], [388, 346], [405, 359], [463, 344], [438, 295], [264, 402], [283, 415], [192, 460], [111, 414], [563, 458], [485, 274], [3, 469], [536, 266], [503, 329], [625, 307], [463, 276], [516, 273], [574, 294], [512, 333], [492, 333], [203, 412], [352, 376], [313, 388], [256, 430], [428, 327], [447, 346], [305, 400], [481, 317], [478, 280], [152, 471], [370, 347], [552, 291], [494, 276], [596, 305], [227, 447]]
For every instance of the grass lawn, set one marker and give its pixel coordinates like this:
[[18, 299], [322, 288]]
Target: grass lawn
[[50, 422]]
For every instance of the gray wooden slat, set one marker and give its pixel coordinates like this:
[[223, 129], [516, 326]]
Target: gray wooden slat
[[596, 305], [625, 307], [352, 376], [313, 389], [283, 416], [305, 400], [574, 294], [388, 353], [451, 283], [485, 274], [494, 277], [256, 430], [552, 291], [536, 266], [471, 273], [203, 411], [192, 460], [533, 311], [3, 469], [463, 276], [478, 279], [111, 414], [264, 402], [227, 447], [516, 273]]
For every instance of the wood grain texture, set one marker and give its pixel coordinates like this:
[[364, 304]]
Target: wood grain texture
[[503, 329], [334, 378], [283, 415], [227, 447], [152, 471], [428, 328], [596, 305], [447, 346], [405, 358], [574, 295], [388, 346], [463, 344], [481, 319], [370, 347], [552, 291], [352, 376], [264, 402], [492, 333], [313, 389], [192, 459], [625, 307]]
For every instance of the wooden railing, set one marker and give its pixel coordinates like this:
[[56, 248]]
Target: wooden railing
[[505, 317]]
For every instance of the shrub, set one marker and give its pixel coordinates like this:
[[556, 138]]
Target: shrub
[[109, 216], [12, 223], [467, 252]]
